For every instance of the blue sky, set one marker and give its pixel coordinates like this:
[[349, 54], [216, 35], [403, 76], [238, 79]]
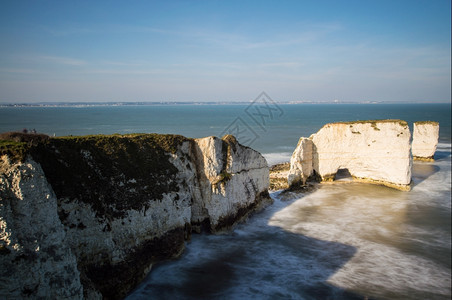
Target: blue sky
[[225, 50]]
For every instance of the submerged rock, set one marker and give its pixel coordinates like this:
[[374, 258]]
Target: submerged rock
[[278, 176], [425, 140], [89, 216]]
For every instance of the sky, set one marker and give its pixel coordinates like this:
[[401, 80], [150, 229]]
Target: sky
[[225, 50]]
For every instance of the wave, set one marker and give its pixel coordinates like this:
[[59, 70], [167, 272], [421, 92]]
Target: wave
[[359, 238], [444, 146], [277, 158], [402, 239]]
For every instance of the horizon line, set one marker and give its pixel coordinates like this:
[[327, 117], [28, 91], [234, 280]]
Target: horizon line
[[144, 103]]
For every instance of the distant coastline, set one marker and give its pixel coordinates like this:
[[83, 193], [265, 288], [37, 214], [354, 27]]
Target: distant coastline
[[151, 103]]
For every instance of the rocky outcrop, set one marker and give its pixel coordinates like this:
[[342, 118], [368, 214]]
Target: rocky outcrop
[[278, 176], [372, 151], [425, 140], [233, 179], [301, 164], [89, 216], [35, 258]]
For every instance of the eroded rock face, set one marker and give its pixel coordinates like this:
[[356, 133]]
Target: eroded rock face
[[301, 165], [35, 258], [124, 201], [233, 180], [372, 151], [105, 209], [425, 140]]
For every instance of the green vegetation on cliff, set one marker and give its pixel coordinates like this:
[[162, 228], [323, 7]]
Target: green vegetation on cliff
[[112, 173], [17, 144], [426, 123], [17, 151], [373, 122]]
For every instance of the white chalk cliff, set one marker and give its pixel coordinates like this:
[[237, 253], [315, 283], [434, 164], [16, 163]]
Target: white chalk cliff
[[301, 165], [425, 140], [232, 179], [372, 151], [35, 259], [87, 217]]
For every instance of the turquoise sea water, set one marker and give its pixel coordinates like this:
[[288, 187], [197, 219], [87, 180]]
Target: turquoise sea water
[[347, 241]]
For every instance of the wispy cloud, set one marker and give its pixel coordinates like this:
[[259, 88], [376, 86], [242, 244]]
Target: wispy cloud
[[108, 28], [123, 63], [287, 64], [18, 71], [69, 30], [122, 28], [62, 60], [303, 34], [41, 64]]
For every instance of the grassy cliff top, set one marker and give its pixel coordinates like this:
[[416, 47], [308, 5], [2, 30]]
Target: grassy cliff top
[[112, 173], [18, 145], [372, 122], [426, 122], [17, 151], [168, 142]]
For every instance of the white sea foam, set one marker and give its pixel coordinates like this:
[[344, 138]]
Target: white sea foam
[[444, 146], [338, 242], [286, 148], [277, 158], [394, 234]]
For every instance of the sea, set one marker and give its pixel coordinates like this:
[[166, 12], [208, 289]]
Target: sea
[[338, 241]]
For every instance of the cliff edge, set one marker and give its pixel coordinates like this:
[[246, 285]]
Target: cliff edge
[[89, 216]]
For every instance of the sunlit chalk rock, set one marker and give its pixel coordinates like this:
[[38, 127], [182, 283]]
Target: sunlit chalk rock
[[425, 140], [233, 181], [301, 166], [372, 151]]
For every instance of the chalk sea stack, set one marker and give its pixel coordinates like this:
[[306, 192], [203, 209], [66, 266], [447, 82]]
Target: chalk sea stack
[[425, 140], [375, 151]]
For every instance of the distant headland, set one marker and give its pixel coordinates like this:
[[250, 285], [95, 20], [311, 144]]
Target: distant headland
[[151, 103]]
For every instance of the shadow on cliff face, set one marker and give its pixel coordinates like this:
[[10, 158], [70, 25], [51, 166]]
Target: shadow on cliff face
[[257, 261]]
